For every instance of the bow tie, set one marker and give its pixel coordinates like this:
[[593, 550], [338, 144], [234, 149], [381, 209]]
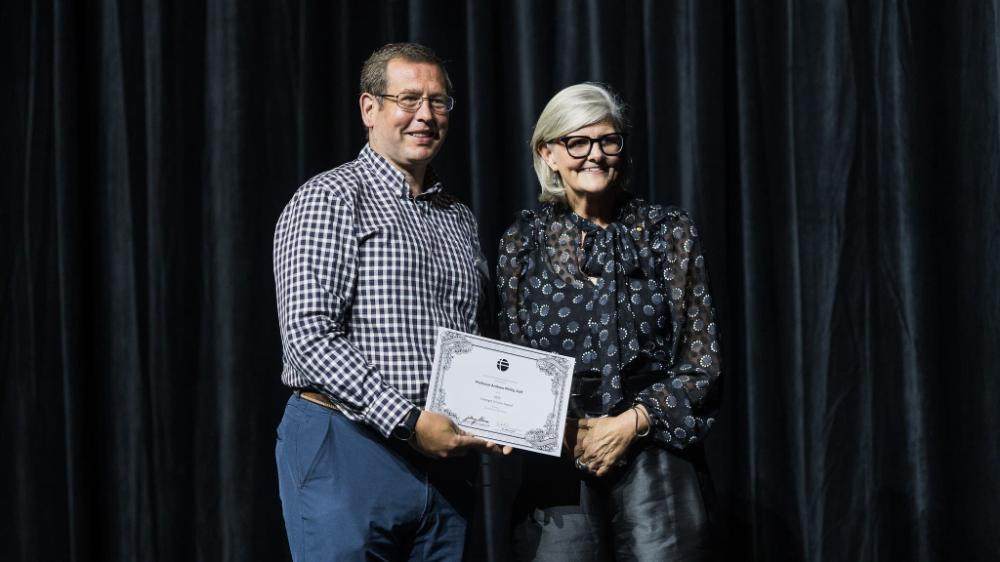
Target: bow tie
[[603, 246]]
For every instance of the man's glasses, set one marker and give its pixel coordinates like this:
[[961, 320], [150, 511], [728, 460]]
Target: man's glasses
[[579, 147], [412, 102]]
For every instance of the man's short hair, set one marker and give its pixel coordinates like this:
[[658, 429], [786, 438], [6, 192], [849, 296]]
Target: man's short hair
[[373, 75]]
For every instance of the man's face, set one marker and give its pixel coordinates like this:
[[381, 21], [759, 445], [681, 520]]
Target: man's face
[[409, 140]]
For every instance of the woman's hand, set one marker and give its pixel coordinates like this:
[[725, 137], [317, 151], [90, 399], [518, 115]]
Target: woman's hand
[[573, 436], [599, 443]]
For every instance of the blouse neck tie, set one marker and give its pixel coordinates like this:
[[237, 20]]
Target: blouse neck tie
[[602, 246], [610, 254]]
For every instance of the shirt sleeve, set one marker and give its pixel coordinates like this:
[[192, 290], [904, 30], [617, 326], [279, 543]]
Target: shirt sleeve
[[512, 263], [681, 407], [315, 268], [486, 310]]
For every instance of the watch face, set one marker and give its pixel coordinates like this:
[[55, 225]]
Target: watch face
[[406, 428]]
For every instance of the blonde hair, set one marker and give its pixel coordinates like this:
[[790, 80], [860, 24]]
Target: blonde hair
[[573, 108]]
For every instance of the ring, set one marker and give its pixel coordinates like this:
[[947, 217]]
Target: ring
[[580, 465]]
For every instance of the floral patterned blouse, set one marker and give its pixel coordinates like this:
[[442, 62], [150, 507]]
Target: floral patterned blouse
[[628, 300]]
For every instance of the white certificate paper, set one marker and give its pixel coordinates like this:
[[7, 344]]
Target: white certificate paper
[[509, 394]]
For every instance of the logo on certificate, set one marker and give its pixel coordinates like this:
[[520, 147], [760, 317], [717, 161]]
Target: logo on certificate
[[503, 364]]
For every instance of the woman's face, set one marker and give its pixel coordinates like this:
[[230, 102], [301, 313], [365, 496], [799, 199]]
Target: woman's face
[[586, 173]]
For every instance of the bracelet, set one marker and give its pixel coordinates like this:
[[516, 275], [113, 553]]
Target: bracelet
[[648, 421]]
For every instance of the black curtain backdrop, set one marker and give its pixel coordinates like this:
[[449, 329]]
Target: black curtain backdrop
[[842, 160]]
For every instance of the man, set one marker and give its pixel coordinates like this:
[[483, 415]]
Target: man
[[369, 260]]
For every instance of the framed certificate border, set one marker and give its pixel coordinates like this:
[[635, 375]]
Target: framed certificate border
[[544, 437]]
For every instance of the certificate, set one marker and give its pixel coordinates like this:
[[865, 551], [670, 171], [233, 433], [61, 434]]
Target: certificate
[[509, 394]]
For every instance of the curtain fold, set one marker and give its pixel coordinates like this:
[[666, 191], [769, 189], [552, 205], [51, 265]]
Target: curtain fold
[[841, 159]]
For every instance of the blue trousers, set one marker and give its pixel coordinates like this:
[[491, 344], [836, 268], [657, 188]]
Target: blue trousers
[[349, 494]]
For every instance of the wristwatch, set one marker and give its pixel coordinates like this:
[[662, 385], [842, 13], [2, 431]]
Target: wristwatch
[[408, 426]]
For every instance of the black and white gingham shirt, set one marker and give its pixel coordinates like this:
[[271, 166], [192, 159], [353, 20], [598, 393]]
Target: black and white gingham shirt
[[365, 273]]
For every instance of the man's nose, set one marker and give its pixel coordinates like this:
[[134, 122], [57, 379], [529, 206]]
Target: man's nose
[[424, 112]]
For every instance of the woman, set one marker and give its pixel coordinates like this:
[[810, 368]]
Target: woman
[[619, 284]]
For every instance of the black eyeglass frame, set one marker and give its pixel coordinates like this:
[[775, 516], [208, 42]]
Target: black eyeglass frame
[[590, 146], [449, 102]]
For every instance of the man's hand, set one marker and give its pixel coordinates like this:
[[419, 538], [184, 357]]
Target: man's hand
[[601, 442], [437, 436]]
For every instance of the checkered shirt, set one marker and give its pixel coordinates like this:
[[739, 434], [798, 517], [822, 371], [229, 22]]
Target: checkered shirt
[[365, 274]]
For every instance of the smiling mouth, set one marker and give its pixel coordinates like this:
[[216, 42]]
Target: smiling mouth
[[423, 134]]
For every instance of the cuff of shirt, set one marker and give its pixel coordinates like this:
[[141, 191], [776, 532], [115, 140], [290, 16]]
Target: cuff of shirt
[[387, 411]]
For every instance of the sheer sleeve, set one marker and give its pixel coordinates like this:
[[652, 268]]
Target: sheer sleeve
[[513, 264], [681, 407]]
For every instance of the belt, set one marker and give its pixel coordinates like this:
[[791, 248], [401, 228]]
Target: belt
[[585, 391], [316, 398]]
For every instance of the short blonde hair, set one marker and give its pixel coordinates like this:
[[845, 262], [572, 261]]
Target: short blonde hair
[[573, 108]]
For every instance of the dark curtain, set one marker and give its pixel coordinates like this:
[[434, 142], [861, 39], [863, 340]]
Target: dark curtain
[[841, 159]]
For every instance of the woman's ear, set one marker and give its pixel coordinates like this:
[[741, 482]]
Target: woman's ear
[[546, 153]]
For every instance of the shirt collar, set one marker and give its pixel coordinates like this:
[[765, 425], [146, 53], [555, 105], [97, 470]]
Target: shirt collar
[[625, 204], [394, 179]]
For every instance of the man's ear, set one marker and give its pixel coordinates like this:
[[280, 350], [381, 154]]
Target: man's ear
[[369, 106]]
